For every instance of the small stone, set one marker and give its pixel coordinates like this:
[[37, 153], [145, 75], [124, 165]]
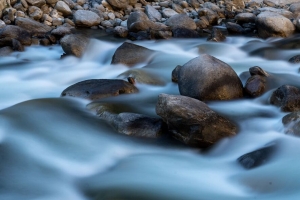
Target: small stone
[[168, 12], [256, 70], [255, 86], [121, 31], [86, 18], [35, 13], [295, 59], [74, 44], [63, 8], [287, 97]]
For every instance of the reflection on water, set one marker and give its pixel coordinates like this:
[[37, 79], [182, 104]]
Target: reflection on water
[[53, 148]]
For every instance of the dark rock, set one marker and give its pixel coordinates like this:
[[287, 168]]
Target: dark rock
[[152, 13], [270, 24], [242, 18], [295, 59], [45, 42], [86, 18], [175, 73], [210, 15], [234, 28], [131, 54], [99, 88], [61, 31], [32, 26], [256, 70], [16, 45], [74, 44], [143, 76], [255, 86], [207, 78], [181, 21], [120, 31], [192, 121], [157, 34], [216, 35], [141, 35], [185, 33], [10, 32], [258, 157], [287, 97]]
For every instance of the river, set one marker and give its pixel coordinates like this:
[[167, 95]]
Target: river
[[53, 148]]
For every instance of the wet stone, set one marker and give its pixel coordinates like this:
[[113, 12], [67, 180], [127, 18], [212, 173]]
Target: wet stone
[[99, 88], [295, 59], [257, 71], [255, 86], [287, 97]]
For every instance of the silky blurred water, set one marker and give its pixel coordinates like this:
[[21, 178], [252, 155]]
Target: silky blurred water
[[53, 148]]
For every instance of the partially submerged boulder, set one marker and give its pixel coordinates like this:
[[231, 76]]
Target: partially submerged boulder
[[10, 32], [207, 78], [99, 88], [32, 26], [131, 54], [74, 44], [255, 86], [192, 121], [287, 97]]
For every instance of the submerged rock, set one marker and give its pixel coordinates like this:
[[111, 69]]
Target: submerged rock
[[192, 121], [175, 74], [258, 157], [143, 76], [131, 54], [295, 59], [291, 123], [74, 44], [255, 86], [99, 88], [10, 32], [287, 97], [216, 35], [207, 78]]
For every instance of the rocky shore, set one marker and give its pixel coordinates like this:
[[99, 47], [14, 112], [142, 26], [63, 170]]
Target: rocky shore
[[46, 22], [185, 117]]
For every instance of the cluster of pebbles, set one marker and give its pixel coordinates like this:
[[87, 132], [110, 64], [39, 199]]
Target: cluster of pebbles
[[46, 22]]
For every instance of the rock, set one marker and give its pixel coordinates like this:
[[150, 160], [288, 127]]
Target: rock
[[99, 88], [192, 121], [121, 31], [37, 3], [152, 13], [274, 25], [287, 97], [35, 13], [207, 78], [16, 45], [258, 157], [74, 44], [86, 18], [51, 1], [279, 2], [33, 27], [63, 8], [295, 59], [5, 51], [131, 54], [242, 18], [168, 12], [175, 74], [282, 12], [234, 28], [211, 16], [181, 21], [185, 33], [291, 123], [10, 32], [2, 24], [295, 8], [216, 35], [138, 21], [119, 4], [61, 31], [256, 70], [193, 3], [239, 4], [143, 76], [255, 86]]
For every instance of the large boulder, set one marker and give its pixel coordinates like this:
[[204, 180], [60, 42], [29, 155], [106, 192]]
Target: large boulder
[[99, 88], [131, 54], [270, 24], [86, 18], [10, 32], [32, 26], [181, 21], [74, 44], [192, 121], [208, 78], [287, 97]]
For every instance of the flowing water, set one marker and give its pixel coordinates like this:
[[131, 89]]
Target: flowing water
[[53, 148]]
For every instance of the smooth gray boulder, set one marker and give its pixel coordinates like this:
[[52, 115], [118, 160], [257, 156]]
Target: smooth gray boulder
[[99, 88], [74, 44], [63, 8], [207, 78], [131, 54], [152, 13], [86, 18], [181, 21], [192, 121], [32, 26], [271, 24]]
